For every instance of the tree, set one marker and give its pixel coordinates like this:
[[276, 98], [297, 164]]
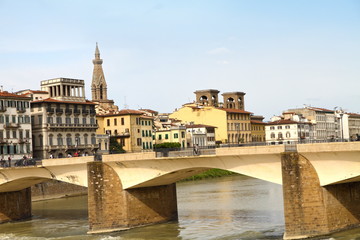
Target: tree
[[115, 147]]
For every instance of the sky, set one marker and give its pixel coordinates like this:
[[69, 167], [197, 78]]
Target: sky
[[282, 54]]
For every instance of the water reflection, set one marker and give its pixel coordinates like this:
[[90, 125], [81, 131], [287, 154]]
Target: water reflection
[[228, 208]]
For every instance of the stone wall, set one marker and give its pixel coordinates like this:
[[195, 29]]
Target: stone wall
[[111, 208], [55, 189], [312, 210], [15, 205]]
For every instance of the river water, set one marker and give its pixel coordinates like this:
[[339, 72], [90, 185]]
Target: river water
[[228, 208]]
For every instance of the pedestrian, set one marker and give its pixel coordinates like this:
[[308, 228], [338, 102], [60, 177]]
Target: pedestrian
[[76, 154], [69, 155], [9, 160], [51, 156], [2, 162]]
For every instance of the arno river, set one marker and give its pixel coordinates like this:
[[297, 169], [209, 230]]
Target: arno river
[[227, 208]]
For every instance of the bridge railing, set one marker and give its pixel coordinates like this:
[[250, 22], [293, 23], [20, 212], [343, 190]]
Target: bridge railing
[[180, 152]]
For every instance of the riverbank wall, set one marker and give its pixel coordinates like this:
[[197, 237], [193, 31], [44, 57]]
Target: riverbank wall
[[55, 189]]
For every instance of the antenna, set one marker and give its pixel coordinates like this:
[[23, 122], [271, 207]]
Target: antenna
[[125, 105]]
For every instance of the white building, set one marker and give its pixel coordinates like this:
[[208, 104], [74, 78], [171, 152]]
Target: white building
[[15, 126], [200, 135]]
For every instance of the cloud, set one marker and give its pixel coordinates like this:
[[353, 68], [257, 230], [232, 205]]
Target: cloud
[[218, 51]]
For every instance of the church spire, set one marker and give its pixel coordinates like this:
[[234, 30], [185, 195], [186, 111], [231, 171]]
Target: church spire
[[98, 84]]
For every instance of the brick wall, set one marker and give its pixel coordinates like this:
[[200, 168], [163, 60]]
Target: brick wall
[[111, 208], [15, 205], [312, 210], [56, 189]]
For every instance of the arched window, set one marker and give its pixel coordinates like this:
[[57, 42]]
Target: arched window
[[280, 136], [51, 141], [59, 140], [272, 135], [77, 139], [288, 135], [68, 140], [86, 139], [93, 139], [41, 140]]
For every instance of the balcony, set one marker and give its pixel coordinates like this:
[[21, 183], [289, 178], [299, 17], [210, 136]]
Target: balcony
[[3, 109], [21, 110], [50, 111], [72, 125], [11, 125], [23, 140], [76, 112], [3, 141], [68, 111], [59, 111], [92, 112], [85, 112]]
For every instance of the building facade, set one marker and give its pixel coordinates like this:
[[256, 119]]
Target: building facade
[[132, 129], [173, 134], [288, 131], [200, 135], [354, 126], [64, 124], [326, 122], [15, 126], [232, 122], [257, 128]]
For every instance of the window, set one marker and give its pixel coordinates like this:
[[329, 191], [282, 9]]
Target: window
[[68, 140], [288, 135], [40, 119], [272, 135], [160, 136], [166, 136], [14, 134], [176, 135], [272, 128], [41, 140], [86, 139], [13, 118], [27, 133], [138, 141], [92, 121], [77, 140], [84, 121], [182, 134], [108, 122], [93, 139], [1, 134], [115, 121], [49, 119], [58, 120], [76, 120], [280, 136], [2, 119], [122, 121], [279, 127], [143, 133], [51, 140], [68, 120], [287, 127]]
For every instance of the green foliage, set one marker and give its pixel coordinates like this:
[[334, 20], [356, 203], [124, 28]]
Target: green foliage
[[212, 173], [167, 145], [115, 147]]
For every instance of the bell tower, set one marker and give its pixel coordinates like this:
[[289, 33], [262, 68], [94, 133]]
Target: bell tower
[[99, 86], [234, 100]]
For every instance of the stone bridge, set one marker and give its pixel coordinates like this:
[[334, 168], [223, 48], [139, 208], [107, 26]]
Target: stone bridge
[[320, 181]]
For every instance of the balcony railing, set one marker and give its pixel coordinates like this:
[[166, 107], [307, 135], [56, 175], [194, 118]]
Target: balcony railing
[[59, 111], [76, 111], [11, 125], [21, 110], [50, 110], [71, 125], [92, 112], [85, 112], [68, 111], [2, 109]]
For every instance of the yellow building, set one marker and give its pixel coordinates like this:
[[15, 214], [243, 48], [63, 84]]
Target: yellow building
[[258, 129], [232, 122], [175, 134], [131, 128]]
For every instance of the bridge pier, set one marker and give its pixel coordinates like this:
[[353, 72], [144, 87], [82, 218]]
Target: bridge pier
[[112, 208], [15, 205], [311, 210]]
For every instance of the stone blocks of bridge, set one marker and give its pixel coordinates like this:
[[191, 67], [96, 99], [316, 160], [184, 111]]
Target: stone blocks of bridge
[[112, 208], [312, 210], [15, 205]]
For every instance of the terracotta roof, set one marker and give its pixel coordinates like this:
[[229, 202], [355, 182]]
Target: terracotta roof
[[354, 114], [38, 91], [257, 122], [199, 126], [122, 112], [148, 110], [147, 117], [282, 121], [12, 95], [51, 100], [231, 110], [320, 109]]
